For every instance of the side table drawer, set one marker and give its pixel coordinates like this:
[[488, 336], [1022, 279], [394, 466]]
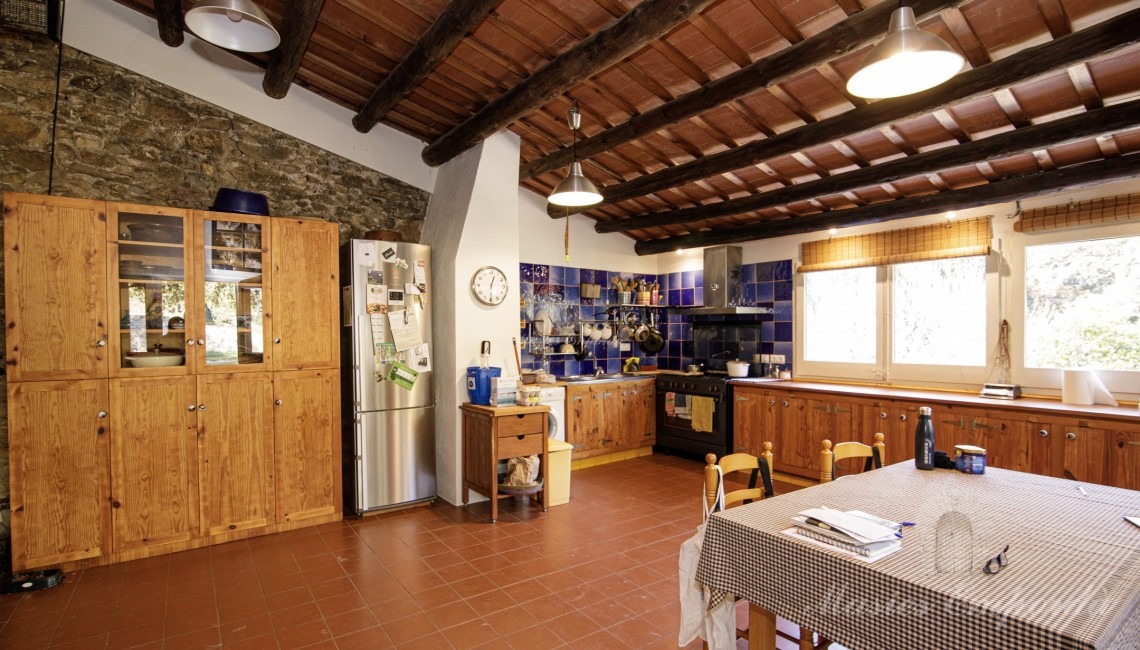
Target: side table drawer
[[513, 425], [523, 445]]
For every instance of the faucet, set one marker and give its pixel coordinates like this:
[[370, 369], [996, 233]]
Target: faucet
[[599, 371], [157, 348]]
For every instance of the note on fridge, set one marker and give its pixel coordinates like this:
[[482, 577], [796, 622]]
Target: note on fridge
[[420, 358], [402, 376], [387, 251], [405, 326], [365, 253]]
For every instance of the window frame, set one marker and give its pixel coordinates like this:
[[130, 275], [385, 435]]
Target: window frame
[[883, 370], [1122, 383]]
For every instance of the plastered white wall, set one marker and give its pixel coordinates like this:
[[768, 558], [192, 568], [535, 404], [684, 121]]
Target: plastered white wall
[[471, 222], [130, 40]]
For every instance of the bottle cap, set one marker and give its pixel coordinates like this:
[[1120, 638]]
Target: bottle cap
[[924, 410]]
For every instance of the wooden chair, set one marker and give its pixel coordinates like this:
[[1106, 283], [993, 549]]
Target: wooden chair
[[739, 463], [828, 457]]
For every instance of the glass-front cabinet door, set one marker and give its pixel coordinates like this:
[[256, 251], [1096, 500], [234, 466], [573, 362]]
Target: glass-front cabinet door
[[150, 255], [231, 308]]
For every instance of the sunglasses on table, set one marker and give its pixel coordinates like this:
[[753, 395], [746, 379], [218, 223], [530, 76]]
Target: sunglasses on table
[[994, 565]]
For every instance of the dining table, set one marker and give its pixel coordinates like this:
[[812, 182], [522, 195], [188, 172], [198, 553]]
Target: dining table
[[1069, 576]]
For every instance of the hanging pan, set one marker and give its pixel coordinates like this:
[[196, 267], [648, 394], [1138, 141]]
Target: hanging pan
[[653, 341]]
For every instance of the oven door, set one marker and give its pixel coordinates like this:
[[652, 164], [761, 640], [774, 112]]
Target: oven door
[[692, 423]]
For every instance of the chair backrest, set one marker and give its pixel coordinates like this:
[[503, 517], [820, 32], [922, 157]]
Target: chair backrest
[[759, 467], [829, 456]]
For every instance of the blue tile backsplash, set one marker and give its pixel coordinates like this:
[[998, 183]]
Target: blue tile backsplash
[[554, 292]]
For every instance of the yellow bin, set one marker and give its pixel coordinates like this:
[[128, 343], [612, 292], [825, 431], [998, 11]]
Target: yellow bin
[[559, 471]]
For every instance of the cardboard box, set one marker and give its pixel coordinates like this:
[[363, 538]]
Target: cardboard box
[[504, 391]]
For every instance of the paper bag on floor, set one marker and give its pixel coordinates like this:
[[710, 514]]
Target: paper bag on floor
[[522, 471]]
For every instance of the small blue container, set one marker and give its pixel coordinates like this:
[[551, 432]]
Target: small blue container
[[479, 384]]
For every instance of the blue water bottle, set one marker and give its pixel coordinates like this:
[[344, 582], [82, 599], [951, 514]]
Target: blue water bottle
[[924, 440]]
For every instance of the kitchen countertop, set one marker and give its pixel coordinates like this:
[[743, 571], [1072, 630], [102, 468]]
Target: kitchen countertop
[[1037, 404]]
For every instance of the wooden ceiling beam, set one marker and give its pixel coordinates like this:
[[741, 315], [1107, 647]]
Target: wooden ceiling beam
[[1019, 187], [644, 24], [1009, 105], [170, 25], [1055, 17], [297, 25], [1083, 81], [1067, 129], [835, 41], [437, 43], [1030, 63]]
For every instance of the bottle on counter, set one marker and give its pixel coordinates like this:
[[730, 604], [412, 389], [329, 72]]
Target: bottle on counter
[[924, 440]]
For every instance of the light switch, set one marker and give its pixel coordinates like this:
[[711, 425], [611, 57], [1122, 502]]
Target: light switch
[[777, 358]]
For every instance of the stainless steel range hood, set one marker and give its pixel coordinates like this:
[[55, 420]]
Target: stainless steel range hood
[[724, 288]]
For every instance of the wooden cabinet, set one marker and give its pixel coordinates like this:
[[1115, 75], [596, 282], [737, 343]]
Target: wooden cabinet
[[119, 452], [235, 416], [55, 287], [306, 408], [154, 462], [1015, 437], [609, 416], [306, 299], [493, 434], [57, 446]]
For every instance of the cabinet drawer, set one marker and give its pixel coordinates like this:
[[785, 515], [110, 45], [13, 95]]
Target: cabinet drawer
[[521, 445], [513, 425]]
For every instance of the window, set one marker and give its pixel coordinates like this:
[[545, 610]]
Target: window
[[1082, 304], [927, 322], [939, 312], [845, 298]]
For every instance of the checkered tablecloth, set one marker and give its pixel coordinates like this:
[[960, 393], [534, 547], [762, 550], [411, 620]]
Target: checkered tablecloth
[[1072, 579]]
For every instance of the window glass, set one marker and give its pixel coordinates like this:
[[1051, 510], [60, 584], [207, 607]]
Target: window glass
[[939, 312], [839, 316], [1082, 304]]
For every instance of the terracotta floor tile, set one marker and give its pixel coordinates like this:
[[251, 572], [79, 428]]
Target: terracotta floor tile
[[534, 638], [346, 602], [289, 598], [372, 638], [304, 635], [636, 632], [409, 628], [436, 596], [136, 636], [473, 586], [197, 640], [395, 609], [434, 641], [470, 634], [451, 614], [295, 615], [508, 621], [245, 629], [572, 626], [351, 621], [601, 640]]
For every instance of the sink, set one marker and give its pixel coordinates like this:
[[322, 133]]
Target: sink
[[607, 376]]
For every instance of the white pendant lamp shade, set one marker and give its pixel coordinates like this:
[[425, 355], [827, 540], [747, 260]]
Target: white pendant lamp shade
[[575, 190], [236, 25], [906, 61]]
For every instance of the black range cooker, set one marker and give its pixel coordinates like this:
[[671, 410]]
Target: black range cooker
[[683, 422]]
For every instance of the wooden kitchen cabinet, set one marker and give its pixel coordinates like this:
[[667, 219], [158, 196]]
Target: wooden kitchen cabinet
[[1097, 451], [747, 419], [493, 434], [306, 298], [306, 408], [1024, 444], [1124, 458], [154, 462], [609, 416], [235, 416], [55, 287], [59, 474]]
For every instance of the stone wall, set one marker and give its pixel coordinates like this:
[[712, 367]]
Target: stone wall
[[124, 137]]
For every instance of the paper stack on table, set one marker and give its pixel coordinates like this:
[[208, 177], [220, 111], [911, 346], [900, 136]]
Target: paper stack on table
[[853, 532]]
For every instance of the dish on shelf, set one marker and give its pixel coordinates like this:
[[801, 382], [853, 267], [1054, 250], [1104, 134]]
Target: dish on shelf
[[130, 270], [520, 489], [154, 359], [155, 232]]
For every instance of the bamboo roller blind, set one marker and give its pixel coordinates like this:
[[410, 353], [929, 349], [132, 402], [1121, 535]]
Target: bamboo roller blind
[[1094, 212], [962, 238]]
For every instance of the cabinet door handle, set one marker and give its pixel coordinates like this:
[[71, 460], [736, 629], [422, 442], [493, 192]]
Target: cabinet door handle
[[786, 404], [771, 402], [902, 417], [277, 402], [100, 344], [201, 407], [633, 392], [596, 395], [1044, 433], [276, 340], [191, 408], [882, 415], [189, 342], [1070, 436], [840, 409], [624, 393], [201, 342], [101, 414]]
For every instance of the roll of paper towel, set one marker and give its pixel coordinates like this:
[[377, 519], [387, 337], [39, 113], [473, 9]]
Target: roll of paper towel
[[1084, 387]]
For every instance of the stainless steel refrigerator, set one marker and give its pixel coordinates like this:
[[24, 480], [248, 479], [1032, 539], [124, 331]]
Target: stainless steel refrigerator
[[389, 392]]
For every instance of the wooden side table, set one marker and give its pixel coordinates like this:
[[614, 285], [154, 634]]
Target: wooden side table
[[491, 434]]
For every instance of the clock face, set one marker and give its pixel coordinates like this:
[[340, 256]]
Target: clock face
[[489, 285]]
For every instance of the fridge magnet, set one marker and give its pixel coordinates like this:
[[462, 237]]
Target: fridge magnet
[[377, 299], [420, 275], [402, 376], [378, 333], [395, 298], [402, 263], [364, 253], [420, 358], [387, 251], [375, 277], [386, 353]]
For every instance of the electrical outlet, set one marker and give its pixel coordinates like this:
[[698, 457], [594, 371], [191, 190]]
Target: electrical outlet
[[765, 358], [625, 347], [777, 358]]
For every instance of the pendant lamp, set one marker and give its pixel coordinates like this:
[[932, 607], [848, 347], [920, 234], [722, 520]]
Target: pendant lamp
[[906, 61], [233, 24], [575, 190]]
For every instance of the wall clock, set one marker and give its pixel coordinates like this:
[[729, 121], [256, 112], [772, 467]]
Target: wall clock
[[489, 285]]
